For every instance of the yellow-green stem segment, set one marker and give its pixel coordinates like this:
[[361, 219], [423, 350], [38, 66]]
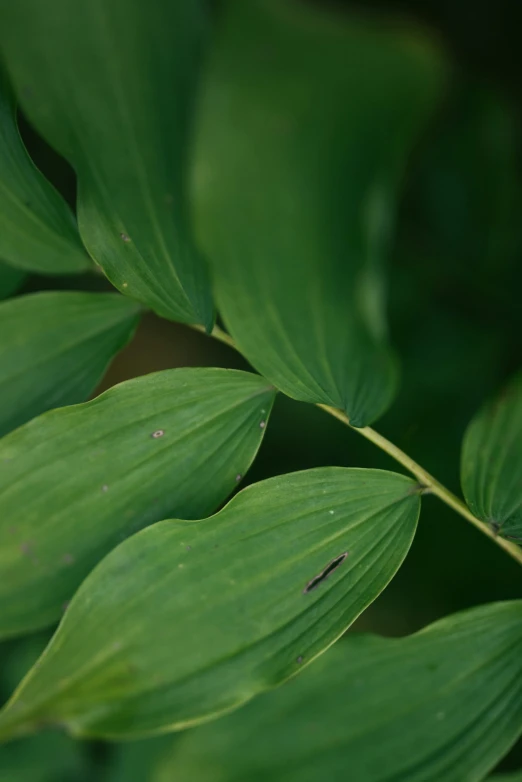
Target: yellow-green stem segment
[[431, 484]]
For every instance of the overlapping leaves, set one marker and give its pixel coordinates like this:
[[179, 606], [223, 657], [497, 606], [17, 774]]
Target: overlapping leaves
[[187, 620]]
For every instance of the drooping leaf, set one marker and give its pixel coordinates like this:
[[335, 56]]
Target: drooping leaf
[[11, 280], [303, 134], [76, 481], [443, 704], [110, 85], [38, 231], [187, 620], [55, 348], [491, 466]]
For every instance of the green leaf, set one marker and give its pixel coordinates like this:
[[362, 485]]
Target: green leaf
[[491, 468], [444, 704], [53, 758], [305, 126], [187, 620], [76, 481], [515, 776], [55, 348], [38, 231], [11, 280], [110, 85]]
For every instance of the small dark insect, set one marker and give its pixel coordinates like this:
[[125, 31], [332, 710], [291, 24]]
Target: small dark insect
[[323, 575]]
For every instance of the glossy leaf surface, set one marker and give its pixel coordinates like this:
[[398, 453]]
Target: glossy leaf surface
[[38, 231], [187, 620], [491, 467], [304, 130], [76, 481], [55, 348], [110, 85], [444, 704]]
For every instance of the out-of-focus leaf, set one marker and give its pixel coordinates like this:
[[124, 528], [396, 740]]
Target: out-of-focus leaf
[[304, 130], [515, 776], [136, 761], [185, 620], [110, 85], [10, 280], [76, 481], [466, 200], [55, 348], [444, 704], [55, 758], [38, 231], [491, 466]]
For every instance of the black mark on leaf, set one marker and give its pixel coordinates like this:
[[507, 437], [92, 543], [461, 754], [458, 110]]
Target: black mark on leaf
[[323, 575]]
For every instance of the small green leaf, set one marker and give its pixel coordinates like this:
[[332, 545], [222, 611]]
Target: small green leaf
[[38, 231], [110, 85], [187, 620], [491, 466], [305, 126], [78, 480], [443, 705], [11, 279], [55, 348]]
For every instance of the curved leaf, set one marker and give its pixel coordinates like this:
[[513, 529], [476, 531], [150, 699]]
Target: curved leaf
[[305, 126], [444, 704], [38, 231], [110, 85], [491, 468], [55, 348], [11, 279], [78, 480], [187, 620]]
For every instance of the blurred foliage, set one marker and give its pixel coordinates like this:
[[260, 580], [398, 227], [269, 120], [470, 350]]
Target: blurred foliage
[[455, 320]]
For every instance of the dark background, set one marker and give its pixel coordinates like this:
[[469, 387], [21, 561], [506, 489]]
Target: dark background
[[455, 279]]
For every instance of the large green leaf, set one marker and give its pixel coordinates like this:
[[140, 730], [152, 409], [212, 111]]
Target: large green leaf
[[37, 229], [187, 620], [110, 85], [442, 705], [492, 462], [55, 348], [76, 481], [304, 130], [10, 280]]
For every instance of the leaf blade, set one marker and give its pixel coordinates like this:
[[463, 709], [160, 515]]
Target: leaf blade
[[75, 481], [219, 610], [491, 462], [124, 131], [441, 704], [55, 349], [294, 195], [38, 231]]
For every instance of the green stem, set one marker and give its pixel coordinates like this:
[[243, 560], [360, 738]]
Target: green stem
[[430, 484]]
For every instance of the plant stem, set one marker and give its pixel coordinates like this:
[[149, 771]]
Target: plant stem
[[429, 483]]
